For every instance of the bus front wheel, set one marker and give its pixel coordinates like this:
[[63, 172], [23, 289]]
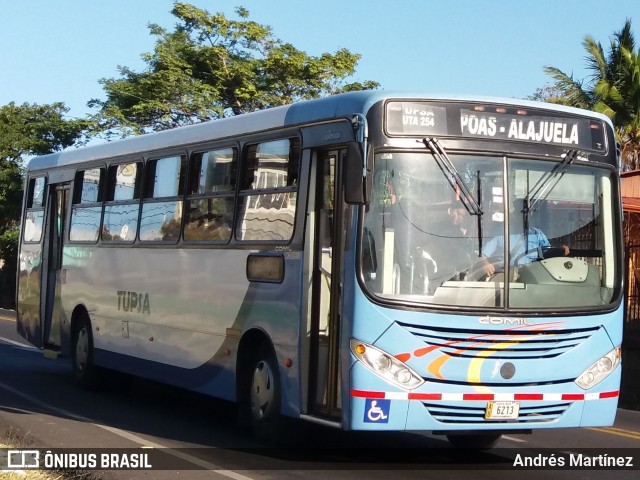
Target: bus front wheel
[[264, 396], [84, 370]]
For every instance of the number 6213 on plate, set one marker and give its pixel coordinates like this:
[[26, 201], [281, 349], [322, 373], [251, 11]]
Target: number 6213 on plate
[[502, 410]]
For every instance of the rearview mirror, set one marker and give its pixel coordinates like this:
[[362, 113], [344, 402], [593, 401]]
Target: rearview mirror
[[357, 175]]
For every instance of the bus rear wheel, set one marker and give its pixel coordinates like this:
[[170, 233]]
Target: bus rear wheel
[[84, 370], [480, 441], [264, 397]]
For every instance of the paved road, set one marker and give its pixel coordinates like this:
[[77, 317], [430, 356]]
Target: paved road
[[40, 403]]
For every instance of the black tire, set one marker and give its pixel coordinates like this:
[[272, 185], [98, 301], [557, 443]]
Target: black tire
[[479, 441], [263, 396], [84, 370]]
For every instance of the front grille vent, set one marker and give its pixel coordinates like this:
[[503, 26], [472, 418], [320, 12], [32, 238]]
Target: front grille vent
[[538, 413], [505, 344]]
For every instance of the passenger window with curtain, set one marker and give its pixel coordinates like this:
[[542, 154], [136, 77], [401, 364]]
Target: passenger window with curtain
[[87, 205], [162, 208], [269, 191], [34, 215], [210, 198], [122, 202]]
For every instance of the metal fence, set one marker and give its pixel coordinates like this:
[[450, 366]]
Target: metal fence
[[632, 305]]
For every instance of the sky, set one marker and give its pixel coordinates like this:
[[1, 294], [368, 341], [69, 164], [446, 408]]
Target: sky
[[57, 50]]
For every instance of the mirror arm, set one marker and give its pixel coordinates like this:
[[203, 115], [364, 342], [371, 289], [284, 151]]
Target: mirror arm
[[361, 130]]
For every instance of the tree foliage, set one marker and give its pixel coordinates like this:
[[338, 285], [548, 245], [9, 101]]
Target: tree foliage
[[211, 66], [26, 130], [613, 88], [29, 130]]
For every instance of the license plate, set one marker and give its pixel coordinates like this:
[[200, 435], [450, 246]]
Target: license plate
[[502, 410]]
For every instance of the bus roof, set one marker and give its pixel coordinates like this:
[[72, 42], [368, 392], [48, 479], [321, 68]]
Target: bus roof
[[335, 106]]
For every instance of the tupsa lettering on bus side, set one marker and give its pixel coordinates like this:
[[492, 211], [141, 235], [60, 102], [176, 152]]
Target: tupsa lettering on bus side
[[133, 302]]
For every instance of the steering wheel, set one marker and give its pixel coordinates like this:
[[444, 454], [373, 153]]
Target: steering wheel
[[543, 252], [550, 252], [477, 272]]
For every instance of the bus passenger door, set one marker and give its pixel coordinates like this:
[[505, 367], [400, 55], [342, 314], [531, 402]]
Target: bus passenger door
[[324, 379], [53, 275]]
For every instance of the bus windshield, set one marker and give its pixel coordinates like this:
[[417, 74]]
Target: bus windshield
[[543, 237]]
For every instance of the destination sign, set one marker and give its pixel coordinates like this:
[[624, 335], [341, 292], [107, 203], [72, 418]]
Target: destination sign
[[406, 118], [498, 123]]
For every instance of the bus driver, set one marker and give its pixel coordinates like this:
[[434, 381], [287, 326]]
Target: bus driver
[[526, 246]]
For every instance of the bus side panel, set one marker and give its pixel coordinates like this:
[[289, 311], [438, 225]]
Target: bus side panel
[[177, 315]]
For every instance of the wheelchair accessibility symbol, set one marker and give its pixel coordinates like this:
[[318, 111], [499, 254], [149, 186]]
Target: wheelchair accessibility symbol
[[376, 411]]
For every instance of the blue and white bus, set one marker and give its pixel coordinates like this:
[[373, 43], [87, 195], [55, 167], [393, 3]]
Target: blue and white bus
[[371, 261]]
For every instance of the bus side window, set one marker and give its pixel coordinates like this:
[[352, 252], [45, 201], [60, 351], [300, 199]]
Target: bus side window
[[121, 207], [268, 191], [161, 217], [86, 212], [210, 198], [34, 216]]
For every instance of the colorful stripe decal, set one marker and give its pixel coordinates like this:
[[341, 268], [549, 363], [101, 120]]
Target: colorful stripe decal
[[464, 397]]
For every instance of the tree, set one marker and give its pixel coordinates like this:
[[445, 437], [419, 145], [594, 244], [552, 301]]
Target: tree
[[210, 67], [29, 130], [613, 88], [26, 130], [548, 93]]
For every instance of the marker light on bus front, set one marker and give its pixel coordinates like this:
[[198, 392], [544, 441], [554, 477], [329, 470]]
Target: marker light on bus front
[[386, 366], [599, 370]]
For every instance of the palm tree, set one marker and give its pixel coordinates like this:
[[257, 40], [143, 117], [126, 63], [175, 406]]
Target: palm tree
[[613, 89]]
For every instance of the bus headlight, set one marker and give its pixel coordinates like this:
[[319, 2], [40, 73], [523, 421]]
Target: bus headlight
[[599, 370], [386, 366]]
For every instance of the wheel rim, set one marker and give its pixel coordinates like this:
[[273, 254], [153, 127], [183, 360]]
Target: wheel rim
[[82, 349], [262, 393]]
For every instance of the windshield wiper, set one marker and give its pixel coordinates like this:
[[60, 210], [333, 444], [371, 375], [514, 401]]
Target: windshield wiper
[[452, 175], [455, 180], [546, 183]]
